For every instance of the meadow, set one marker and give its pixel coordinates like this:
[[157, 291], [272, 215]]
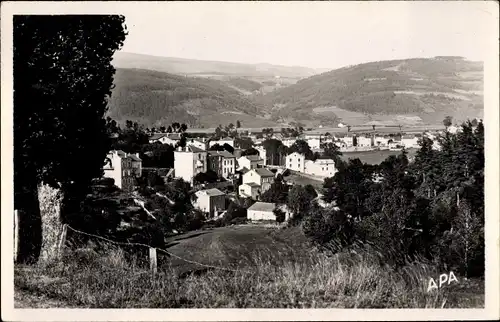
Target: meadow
[[258, 267], [374, 157]]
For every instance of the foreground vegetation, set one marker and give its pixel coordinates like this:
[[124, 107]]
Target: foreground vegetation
[[268, 275]]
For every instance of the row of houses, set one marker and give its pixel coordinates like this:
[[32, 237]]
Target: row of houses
[[319, 168]]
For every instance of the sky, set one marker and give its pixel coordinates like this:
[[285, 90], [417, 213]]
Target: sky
[[310, 34]]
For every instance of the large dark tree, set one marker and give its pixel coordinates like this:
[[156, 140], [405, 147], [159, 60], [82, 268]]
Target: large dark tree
[[62, 78]]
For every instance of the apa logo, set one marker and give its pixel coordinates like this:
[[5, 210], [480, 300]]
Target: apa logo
[[442, 279]]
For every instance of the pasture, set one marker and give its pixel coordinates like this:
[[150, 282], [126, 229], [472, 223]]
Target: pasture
[[257, 267], [374, 157]]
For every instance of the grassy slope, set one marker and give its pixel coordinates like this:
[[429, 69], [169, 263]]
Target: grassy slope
[[276, 269], [412, 86], [156, 97]]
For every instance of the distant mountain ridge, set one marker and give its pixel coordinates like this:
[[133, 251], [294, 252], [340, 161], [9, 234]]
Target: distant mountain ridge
[[185, 66]]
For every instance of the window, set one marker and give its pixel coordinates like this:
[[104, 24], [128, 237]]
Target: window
[[290, 159], [224, 162]]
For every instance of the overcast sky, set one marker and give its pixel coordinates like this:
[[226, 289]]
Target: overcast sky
[[314, 34]]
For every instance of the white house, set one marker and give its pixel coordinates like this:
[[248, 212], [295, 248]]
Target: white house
[[314, 142], [381, 141], [262, 153], [452, 129], [364, 141], [295, 162], [341, 125], [409, 141], [321, 168], [189, 161], [221, 142], [124, 168], [265, 211], [250, 162], [200, 143], [222, 162], [211, 201], [165, 138], [261, 176], [249, 190], [346, 138], [289, 142]]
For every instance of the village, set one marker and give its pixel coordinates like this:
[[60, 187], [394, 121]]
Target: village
[[249, 173]]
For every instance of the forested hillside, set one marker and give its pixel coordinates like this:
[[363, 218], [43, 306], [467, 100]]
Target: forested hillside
[[427, 88], [156, 98]]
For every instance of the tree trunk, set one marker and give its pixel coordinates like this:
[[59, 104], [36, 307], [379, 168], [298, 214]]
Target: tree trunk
[[50, 212]]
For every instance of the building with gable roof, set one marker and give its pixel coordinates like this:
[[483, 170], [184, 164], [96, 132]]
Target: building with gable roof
[[189, 161], [223, 163], [123, 168], [210, 201]]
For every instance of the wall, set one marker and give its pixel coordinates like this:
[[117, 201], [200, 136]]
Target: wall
[[260, 215], [183, 165]]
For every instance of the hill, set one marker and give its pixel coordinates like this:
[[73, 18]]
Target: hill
[[421, 90], [192, 67], [156, 98]]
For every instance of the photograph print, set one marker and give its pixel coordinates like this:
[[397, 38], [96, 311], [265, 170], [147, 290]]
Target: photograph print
[[251, 155]]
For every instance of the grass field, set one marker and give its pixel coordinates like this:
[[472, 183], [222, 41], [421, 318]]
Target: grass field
[[268, 268], [374, 157]]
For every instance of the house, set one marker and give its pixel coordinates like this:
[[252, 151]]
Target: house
[[165, 138], [221, 142], [200, 143], [364, 141], [223, 163], [341, 125], [237, 152], [295, 162], [409, 141], [381, 141], [314, 143], [277, 136], [249, 190], [250, 162], [124, 168], [261, 176], [265, 211], [452, 129], [321, 167], [211, 201], [262, 153], [348, 139], [289, 142], [189, 161]]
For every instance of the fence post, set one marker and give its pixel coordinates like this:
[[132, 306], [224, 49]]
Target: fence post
[[153, 264], [62, 240], [16, 235]]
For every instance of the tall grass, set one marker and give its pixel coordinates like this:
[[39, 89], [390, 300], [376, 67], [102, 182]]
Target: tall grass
[[86, 279]]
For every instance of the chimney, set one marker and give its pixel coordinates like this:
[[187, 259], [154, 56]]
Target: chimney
[[179, 149]]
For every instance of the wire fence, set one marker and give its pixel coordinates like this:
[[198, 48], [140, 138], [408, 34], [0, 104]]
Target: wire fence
[[152, 251]]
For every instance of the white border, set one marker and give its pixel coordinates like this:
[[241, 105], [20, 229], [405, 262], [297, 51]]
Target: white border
[[492, 151]]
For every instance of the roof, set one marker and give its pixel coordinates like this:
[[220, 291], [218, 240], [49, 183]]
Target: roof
[[252, 184], [324, 161], [157, 136], [192, 148], [408, 137], [262, 206], [134, 157], [252, 157], [212, 192], [264, 172], [244, 170], [302, 155], [224, 154]]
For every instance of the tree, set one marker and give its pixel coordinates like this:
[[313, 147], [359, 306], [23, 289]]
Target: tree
[[244, 143], [277, 193], [228, 148], [280, 215], [169, 129], [272, 150], [299, 203], [238, 124], [448, 121], [302, 147], [331, 150], [63, 63], [183, 128], [250, 151]]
